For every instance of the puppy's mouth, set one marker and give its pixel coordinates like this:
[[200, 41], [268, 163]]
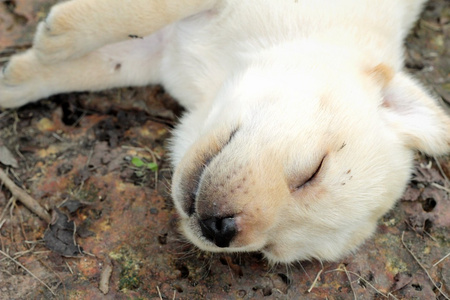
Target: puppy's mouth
[[195, 176]]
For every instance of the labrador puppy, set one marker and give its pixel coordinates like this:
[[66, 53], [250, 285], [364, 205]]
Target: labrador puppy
[[300, 124]]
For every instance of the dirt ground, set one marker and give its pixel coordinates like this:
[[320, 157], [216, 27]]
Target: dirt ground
[[91, 157]]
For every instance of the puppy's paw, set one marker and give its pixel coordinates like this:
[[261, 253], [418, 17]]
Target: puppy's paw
[[18, 84], [64, 35]]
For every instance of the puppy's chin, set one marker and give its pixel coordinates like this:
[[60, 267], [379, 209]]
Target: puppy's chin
[[275, 254], [324, 246]]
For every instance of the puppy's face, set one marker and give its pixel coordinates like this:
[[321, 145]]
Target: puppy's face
[[295, 171]]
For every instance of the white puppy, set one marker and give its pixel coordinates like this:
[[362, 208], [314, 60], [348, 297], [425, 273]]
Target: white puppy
[[301, 124]]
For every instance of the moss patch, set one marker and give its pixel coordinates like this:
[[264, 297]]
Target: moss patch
[[129, 276]]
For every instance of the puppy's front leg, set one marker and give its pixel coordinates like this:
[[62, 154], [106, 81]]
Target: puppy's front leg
[[77, 27]]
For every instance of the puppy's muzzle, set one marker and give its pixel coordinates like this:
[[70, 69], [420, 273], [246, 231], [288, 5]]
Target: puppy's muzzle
[[219, 230]]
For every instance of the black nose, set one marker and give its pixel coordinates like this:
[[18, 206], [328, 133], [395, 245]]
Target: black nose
[[219, 230]]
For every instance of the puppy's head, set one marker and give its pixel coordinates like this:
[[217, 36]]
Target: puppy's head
[[301, 165]]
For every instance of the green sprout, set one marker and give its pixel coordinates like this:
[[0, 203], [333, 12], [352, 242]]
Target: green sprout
[[137, 162]]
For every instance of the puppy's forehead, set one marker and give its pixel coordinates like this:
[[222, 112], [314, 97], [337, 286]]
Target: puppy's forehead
[[298, 119], [289, 119]]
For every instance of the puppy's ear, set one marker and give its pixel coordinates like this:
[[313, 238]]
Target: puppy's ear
[[416, 118]]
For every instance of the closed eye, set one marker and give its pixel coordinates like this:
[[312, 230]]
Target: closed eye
[[311, 178]]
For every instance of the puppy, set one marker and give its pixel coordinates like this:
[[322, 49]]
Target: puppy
[[300, 127]]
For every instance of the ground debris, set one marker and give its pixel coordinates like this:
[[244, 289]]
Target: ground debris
[[105, 276], [401, 280], [23, 197], [7, 158], [60, 236], [72, 205]]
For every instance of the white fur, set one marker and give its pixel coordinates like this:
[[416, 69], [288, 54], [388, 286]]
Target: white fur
[[295, 80]]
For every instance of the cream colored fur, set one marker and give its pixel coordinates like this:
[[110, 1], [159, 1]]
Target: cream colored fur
[[272, 89]]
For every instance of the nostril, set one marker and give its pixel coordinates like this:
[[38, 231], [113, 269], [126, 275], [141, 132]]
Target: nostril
[[219, 230]]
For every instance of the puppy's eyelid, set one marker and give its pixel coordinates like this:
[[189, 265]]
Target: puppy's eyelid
[[312, 177]]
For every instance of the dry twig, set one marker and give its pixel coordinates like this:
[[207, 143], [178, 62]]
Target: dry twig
[[423, 268], [159, 292], [57, 275], [349, 281], [315, 281], [440, 187], [105, 276], [441, 260], [24, 198], [441, 170], [365, 281], [29, 272], [68, 266], [7, 206]]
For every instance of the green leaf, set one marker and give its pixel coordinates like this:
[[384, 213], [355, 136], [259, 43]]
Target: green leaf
[[137, 162], [152, 166]]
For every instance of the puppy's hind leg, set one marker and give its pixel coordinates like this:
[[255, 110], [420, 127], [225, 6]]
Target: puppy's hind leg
[[74, 28], [130, 63]]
